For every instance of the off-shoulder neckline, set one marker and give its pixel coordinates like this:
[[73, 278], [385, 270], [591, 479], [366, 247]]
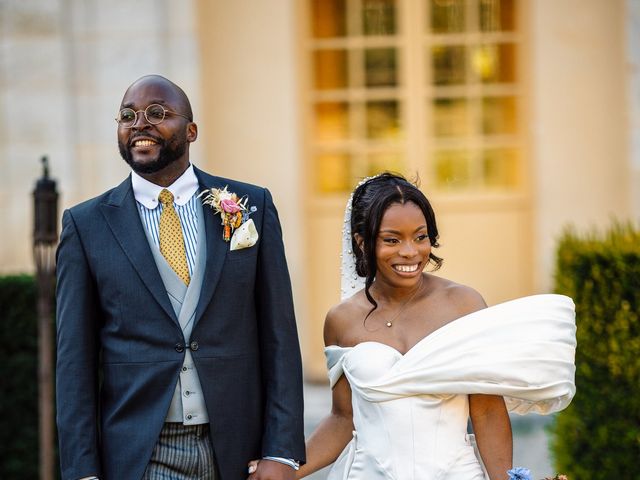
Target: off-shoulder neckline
[[452, 322]]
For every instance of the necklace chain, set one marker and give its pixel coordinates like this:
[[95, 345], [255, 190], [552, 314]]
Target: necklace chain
[[404, 305]]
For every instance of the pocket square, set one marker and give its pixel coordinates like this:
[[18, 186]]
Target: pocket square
[[244, 236]]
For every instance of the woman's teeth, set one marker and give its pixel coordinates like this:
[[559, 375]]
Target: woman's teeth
[[406, 268]]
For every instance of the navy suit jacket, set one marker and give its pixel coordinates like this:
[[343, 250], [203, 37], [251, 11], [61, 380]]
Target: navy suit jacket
[[120, 347]]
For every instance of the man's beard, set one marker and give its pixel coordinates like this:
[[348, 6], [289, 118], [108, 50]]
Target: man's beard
[[167, 155]]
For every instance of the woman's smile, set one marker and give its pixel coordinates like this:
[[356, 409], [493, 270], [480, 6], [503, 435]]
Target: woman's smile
[[406, 268]]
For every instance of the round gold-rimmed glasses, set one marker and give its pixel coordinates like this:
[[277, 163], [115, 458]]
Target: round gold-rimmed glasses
[[154, 114]]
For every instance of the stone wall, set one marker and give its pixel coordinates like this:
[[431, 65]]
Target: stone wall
[[64, 66]]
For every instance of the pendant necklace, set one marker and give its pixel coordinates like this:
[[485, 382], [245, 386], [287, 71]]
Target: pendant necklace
[[404, 305]]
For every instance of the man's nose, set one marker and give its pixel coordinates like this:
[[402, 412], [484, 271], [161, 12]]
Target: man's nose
[[140, 122]]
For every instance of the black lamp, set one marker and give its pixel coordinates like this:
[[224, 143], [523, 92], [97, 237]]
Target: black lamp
[[45, 229], [45, 239]]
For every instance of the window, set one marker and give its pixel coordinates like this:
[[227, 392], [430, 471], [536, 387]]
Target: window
[[470, 47], [415, 85], [357, 95]]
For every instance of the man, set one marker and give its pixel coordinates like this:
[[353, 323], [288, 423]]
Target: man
[[178, 355]]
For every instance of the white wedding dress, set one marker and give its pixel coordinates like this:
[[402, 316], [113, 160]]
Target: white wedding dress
[[410, 411]]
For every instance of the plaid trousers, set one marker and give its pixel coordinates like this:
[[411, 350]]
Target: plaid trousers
[[183, 452]]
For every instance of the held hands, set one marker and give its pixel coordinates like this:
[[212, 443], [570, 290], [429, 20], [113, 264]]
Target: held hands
[[270, 470]]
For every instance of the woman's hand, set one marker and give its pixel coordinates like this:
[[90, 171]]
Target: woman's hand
[[270, 470], [253, 466]]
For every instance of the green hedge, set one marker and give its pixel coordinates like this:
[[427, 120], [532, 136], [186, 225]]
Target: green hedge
[[19, 374], [598, 436]]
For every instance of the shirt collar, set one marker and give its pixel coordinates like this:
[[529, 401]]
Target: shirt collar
[[147, 193]]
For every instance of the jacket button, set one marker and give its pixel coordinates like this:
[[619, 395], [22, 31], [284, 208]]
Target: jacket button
[[194, 346], [179, 348]]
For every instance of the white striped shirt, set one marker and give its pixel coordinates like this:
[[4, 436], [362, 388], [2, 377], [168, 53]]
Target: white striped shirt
[[185, 202], [188, 220]]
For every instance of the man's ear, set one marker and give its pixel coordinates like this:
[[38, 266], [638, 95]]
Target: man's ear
[[192, 132], [359, 241]]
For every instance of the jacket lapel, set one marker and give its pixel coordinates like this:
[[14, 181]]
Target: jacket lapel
[[123, 218], [217, 248]]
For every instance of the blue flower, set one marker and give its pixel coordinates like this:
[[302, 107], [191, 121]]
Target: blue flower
[[519, 473]]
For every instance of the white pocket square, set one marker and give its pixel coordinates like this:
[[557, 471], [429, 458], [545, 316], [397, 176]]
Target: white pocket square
[[244, 236]]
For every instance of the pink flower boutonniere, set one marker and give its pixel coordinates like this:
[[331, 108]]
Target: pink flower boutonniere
[[232, 209]]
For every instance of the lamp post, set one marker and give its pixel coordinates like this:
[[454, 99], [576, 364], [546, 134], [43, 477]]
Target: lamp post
[[45, 239]]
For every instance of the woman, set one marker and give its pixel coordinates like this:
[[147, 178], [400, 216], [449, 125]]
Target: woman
[[412, 356]]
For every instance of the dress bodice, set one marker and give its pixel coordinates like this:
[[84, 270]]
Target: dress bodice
[[410, 411]]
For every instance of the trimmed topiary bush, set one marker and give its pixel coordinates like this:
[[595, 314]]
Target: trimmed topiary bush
[[19, 374], [598, 436]]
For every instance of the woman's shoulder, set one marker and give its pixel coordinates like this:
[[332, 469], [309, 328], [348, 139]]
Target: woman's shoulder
[[341, 317], [457, 297]]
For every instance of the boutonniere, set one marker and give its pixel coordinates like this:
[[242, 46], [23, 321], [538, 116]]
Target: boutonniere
[[234, 214]]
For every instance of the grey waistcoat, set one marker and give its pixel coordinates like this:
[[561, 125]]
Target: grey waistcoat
[[187, 405]]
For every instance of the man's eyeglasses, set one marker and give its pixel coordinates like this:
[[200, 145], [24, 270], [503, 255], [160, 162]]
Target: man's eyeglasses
[[154, 114]]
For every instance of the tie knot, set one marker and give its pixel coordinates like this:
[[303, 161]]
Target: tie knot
[[165, 197]]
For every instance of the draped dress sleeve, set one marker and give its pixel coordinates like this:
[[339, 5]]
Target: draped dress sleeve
[[334, 355]]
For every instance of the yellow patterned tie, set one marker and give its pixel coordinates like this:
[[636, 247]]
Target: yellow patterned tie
[[171, 239]]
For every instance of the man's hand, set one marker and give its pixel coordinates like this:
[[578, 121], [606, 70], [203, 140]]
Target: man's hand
[[271, 470]]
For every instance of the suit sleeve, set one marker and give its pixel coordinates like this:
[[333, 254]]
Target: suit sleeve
[[279, 348], [77, 357]]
